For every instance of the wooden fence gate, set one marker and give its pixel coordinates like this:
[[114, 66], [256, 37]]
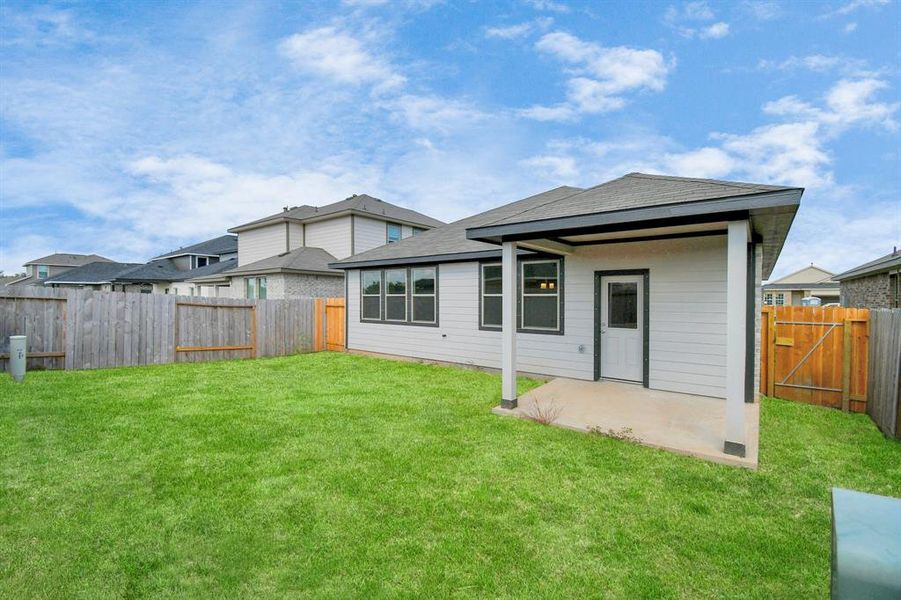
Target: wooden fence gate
[[815, 355], [329, 325]]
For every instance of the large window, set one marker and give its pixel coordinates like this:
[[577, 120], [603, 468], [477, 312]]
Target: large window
[[540, 299], [425, 296], [416, 230], [492, 300], [409, 295], [371, 289], [396, 295], [540, 295], [395, 232], [255, 287], [43, 271]]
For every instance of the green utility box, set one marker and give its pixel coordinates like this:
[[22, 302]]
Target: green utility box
[[866, 546]]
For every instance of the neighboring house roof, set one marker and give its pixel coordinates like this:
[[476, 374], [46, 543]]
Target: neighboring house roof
[[888, 262], [165, 270], [805, 276], [302, 260], [92, 273], [635, 201], [449, 242], [68, 260], [826, 285], [224, 244], [362, 204]]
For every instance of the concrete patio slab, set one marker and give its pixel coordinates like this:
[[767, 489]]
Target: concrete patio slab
[[681, 423]]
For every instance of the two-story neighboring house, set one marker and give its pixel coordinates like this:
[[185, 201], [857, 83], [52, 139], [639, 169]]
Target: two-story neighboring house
[[165, 274], [812, 281], [286, 255], [37, 271]]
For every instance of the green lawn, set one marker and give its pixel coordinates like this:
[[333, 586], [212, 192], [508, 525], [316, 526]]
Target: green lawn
[[336, 475]]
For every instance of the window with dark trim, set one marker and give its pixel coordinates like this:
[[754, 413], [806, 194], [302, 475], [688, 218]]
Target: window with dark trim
[[395, 294], [416, 230], [491, 294], [43, 271], [425, 295], [409, 295], [371, 292], [395, 232], [540, 296]]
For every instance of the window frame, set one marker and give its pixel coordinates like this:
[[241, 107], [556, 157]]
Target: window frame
[[46, 270], [405, 295], [255, 287], [383, 313], [414, 295], [379, 296], [400, 229], [481, 292], [779, 299], [768, 298], [520, 296], [561, 294]]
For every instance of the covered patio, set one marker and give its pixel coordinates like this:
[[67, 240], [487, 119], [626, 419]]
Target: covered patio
[[680, 423]]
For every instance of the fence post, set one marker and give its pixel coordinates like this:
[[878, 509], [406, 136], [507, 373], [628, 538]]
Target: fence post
[[771, 354], [318, 310], [846, 366]]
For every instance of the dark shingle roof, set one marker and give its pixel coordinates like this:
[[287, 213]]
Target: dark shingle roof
[[362, 204], [302, 260], [451, 239], [95, 272], [165, 270], [883, 263], [224, 244], [68, 260], [636, 190]]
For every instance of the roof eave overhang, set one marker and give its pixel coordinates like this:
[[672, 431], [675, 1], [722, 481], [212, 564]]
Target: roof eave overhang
[[888, 266], [278, 270], [698, 211], [326, 216], [424, 259]]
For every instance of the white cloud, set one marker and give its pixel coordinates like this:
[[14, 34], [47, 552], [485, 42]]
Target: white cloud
[[561, 168], [688, 21], [548, 5], [715, 31], [854, 5], [435, 113], [851, 27], [764, 10], [822, 63], [600, 75], [337, 55], [848, 102], [519, 30]]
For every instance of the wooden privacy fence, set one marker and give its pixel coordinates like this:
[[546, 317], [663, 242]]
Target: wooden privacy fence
[[816, 355], [884, 405], [85, 329]]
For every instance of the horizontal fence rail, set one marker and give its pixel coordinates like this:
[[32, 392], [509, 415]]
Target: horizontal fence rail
[[87, 329]]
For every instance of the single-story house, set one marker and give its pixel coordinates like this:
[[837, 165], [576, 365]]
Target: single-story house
[[647, 279], [157, 276], [811, 281], [301, 273], [876, 284]]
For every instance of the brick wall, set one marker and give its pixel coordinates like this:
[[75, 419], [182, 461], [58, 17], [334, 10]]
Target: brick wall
[[313, 286], [873, 291]]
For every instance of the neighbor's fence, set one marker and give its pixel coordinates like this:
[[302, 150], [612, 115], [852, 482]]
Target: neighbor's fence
[[884, 406], [84, 329]]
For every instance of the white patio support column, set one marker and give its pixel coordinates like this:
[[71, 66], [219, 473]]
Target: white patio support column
[[508, 322], [736, 313]]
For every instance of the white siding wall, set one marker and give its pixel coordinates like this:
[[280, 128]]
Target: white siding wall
[[332, 235], [262, 242], [687, 317], [295, 235], [369, 234]]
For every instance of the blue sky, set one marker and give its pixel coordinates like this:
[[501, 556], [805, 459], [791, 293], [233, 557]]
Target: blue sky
[[128, 129]]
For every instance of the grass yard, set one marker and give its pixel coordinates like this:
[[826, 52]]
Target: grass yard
[[336, 475]]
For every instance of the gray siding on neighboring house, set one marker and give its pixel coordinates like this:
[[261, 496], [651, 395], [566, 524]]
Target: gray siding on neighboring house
[[369, 234], [687, 317], [332, 235], [262, 242]]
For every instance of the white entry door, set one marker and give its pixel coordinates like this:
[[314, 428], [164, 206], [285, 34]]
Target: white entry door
[[622, 327]]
